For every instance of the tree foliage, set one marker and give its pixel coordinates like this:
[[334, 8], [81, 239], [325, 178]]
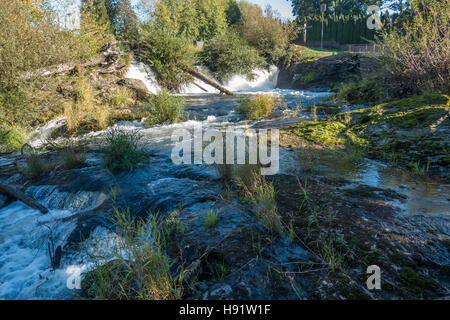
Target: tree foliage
[[229, 54], [198, 20], [306, 9], [417, 51], [123, 19], [265, 31]]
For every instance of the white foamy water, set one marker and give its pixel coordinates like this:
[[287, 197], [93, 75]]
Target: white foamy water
[[141, 71], [25, 267], [264, 79]]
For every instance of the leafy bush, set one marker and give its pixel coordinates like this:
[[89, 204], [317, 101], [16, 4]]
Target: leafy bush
[[228, 54], [416, 52], [31, 43], [12, 138], [259, 106], [164, 108], [122, 150], [168, 54]]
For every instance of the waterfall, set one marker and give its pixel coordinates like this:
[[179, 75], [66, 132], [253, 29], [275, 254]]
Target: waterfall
[[265, 79], [140, 71]]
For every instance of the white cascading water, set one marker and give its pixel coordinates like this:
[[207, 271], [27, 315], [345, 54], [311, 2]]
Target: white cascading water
[[265, 79], [141, 71]]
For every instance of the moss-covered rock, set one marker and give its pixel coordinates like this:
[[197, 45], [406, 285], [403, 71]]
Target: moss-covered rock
[[322, 72], [412, 132]]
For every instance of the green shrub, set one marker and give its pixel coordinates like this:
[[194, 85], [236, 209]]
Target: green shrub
[[35, 167], [12, 138], [228, 54], [265, 31], [122, 150], [259, 106], [211, 219], [164, 108], [168, 54]]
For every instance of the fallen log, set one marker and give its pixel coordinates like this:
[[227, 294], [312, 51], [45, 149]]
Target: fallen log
[[205, 79], [22, 197]]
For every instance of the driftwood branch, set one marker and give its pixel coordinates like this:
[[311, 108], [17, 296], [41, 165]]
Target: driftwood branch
[[22, 197], [205, 79]]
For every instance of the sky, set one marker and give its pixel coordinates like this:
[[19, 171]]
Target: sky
[[282, 6]]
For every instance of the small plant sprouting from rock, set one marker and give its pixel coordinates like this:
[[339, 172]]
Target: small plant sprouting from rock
[[139, 269], [122, 150], [211, 219], [36, 167], [73, 156]]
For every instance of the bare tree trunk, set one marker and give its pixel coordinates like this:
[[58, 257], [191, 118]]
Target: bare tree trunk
[[205, 79], [22, 197]]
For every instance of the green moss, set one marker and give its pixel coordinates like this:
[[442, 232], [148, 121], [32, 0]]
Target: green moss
[[326, 133], [12, 138], [408, 132], [416, 284]]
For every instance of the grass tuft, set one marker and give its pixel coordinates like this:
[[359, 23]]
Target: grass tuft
[[122, 150], [139, 269], [211, 219], [259, 106]]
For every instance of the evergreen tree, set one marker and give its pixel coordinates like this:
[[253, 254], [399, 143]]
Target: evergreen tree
[[123, 19]]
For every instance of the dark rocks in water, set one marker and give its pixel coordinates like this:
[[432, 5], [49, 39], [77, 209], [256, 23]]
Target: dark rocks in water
[[4, 201], [323, 72]]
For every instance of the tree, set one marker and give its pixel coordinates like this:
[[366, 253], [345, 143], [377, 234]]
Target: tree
[[192, 19], [233, 12], [123, 19], [265, 31], [94, 23], [30, 41], [307, 9], [417, 50]]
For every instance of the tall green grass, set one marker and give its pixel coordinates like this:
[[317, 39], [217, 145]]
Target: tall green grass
[[164, 108], [122, 150]]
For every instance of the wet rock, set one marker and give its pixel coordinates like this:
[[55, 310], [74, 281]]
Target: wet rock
[[4, 200], [325, 71]]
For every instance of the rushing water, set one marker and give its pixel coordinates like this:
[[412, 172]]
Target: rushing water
[[25, 271]]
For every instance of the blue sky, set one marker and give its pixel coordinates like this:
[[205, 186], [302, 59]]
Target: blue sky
[[282, 6]]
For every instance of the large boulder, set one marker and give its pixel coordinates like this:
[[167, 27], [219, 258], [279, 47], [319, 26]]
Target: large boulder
[[319, 73]]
